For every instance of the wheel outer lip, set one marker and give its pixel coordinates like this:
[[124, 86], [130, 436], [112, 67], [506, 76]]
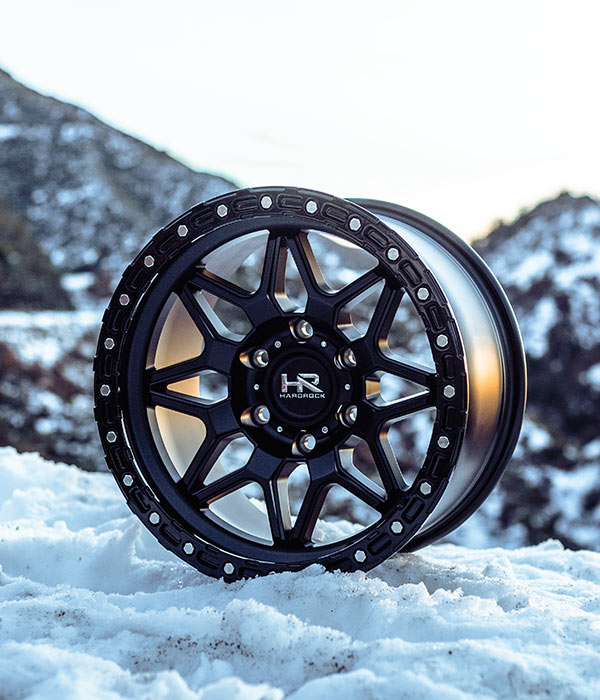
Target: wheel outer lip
[[514, 360], [111, 367]]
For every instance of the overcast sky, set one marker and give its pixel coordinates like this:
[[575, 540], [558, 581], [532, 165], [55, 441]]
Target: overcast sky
[[464, 110]]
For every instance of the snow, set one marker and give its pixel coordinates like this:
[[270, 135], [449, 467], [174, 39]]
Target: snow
[[45, 336], [93, 607], [592, 377]]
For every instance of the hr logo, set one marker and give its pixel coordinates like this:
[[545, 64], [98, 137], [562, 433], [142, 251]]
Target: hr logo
[[306, 386]]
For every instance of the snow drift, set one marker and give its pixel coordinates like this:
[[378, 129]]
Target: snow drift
[[93, 607]]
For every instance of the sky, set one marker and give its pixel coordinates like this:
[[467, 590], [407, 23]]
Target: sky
[[467, 111]]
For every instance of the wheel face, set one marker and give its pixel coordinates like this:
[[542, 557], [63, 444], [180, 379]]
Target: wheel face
[[234, 355]]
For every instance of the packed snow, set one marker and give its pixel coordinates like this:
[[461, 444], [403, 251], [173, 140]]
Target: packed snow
[[93, 607]]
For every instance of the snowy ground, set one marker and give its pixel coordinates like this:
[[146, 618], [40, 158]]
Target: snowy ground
[[92, 607]]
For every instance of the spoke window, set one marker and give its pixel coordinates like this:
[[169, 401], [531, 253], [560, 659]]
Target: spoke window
[[407, 338], [342, 515], [240, 261], [340, 261], [295, 291], [229, 320], [409, 439]]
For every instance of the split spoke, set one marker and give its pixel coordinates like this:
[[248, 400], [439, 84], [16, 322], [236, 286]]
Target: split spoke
[[309, 511], [383, 315], [308, 267], [386, 463], [354, 481], [202, 315], [220, 287], [222, 487], [378, 416], [278, 509]]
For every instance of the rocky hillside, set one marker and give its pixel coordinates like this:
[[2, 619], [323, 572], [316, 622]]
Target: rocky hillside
[[548, 260], [28, 280], [90, 194]]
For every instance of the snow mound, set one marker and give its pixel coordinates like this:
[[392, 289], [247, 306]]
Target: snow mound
[[93, 607]]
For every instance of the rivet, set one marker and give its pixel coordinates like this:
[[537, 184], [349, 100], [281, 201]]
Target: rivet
[[311, 206], [443, 441], [105, 390], [182, 230], [423, 293], [360, 556], [188, 548], [442, 340], [347, 387], [425, 488], [396, 527], [277, 344], [222, 210], [149, 261], [324, 430], [128, 480], [154, 518], [354, 223], [279, 429], [323, 343], [109, 343], [393, 254], [449, 391], [256, 387], [111, 436], [266, 202], [124, 299], [228, 568]]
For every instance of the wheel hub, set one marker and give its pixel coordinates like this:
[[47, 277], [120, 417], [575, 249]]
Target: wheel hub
[[304, 386]]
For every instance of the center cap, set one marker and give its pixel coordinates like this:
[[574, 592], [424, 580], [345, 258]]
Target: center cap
[[301, 387]]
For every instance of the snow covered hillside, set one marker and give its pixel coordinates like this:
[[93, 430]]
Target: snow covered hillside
[[90, 194], [92, 607], [548, 261]]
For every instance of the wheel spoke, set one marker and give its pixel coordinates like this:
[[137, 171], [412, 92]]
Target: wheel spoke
[[386, 463], [222, 487], [203, 461], [356, 287], [203, 316], [308, 267], [220, 287], [354, 481], [410, 371], [217, 356], [383, 315], [272, 282], [323, 473], [378, 416], [278, 509], [218, 415], [309, 511]]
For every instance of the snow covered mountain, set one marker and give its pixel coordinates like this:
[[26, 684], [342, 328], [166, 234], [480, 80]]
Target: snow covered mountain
[[548, 261], [93, 607], [90, 194]]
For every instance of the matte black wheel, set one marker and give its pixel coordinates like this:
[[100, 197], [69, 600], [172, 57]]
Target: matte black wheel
[[286, 378]]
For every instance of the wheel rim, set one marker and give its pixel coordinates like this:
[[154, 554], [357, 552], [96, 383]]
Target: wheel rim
[[304, 389], [495, 359]]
